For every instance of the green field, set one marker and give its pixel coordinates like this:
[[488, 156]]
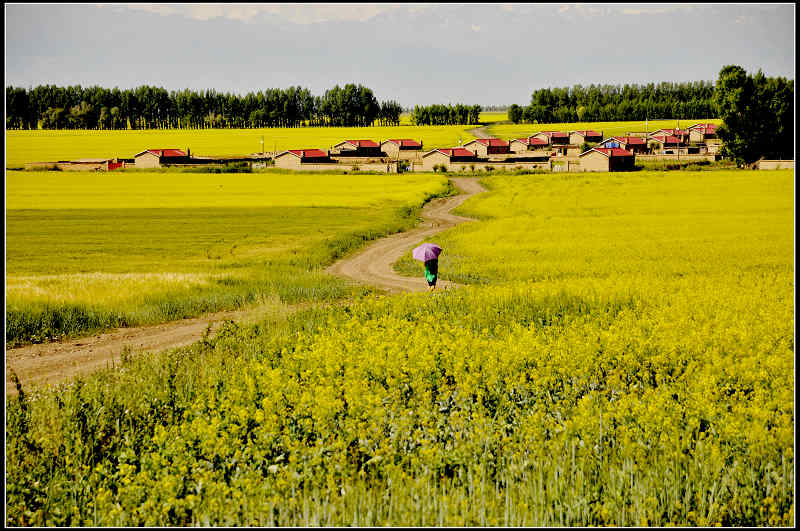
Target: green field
[[510, 131], [46, 146], [87, 252], [623, 356]]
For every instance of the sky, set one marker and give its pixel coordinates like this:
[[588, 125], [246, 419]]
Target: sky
[[489, 54]]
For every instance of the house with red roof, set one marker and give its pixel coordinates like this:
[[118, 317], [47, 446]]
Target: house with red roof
[[665, 144], [401, 148], [483, 147], [607, 159], [636, 144], [556, 138], [448, 156], [303, 159], [682, 134], [357, 148], [579, 137], [154, 158], [702, 132], [520, 145]]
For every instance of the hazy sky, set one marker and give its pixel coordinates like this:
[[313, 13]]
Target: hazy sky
[[412, 53]]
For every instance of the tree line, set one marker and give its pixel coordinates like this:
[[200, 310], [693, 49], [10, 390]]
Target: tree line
[[150, 107], [757, 115], [611, 103], [438, 114]]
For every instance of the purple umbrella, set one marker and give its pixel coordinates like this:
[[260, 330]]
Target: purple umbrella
[[426, 251]]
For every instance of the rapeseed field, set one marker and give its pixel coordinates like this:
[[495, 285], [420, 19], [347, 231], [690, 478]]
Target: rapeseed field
[[87, 251], [622, 356], [46, 145]]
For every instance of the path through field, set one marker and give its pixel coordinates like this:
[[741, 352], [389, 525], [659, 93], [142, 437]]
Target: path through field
[[373, 265], [50, 363], [479, 132]]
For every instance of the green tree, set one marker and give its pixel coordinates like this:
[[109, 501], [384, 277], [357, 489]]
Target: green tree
[[757, 115], [515, 113]]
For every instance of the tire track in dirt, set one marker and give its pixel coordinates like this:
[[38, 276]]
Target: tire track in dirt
[[51, 363]]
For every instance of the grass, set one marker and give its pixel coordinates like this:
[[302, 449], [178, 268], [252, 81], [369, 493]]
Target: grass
[[42, 146], [85, 252]]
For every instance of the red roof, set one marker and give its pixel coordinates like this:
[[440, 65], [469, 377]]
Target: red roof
[[587, 132], [612, 152], [667, 139], [363, 143], [682, 132], [532, 141], [705, 128], [163, 153], [308, 153], [630, 139], [456, 152], [555, 134], [405, 142], [492, 141]]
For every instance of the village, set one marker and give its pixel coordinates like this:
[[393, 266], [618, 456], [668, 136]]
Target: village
[[573, 151]]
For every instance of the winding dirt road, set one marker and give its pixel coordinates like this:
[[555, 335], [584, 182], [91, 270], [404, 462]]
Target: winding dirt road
[[50, 363], [373, 265]]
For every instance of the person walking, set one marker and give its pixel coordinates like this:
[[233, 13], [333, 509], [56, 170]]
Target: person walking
[[431, 272], [429, 254]]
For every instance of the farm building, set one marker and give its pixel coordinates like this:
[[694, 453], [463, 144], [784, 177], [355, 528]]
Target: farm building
[[607, 159], [552, 137], [702, 132], [579, 137], [447, 157], [154, 158], [405, 148], [520, 145], [664, 144], [357, 148], [774, 164], [629, 143], [304, 159], [713, 145], [682, 134], [78, 165], [484, 147]]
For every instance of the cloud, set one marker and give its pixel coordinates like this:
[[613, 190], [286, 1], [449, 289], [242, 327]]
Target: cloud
[[297, 13]]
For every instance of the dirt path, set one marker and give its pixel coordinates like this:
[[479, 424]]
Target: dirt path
[[50, 363], [373, 265], [479, 132]]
